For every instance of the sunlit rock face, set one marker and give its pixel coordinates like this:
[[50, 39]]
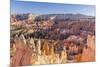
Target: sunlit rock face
[[43, 51], [91, 41], [89, 52]]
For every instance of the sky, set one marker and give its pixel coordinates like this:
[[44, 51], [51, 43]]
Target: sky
[[19, 7]]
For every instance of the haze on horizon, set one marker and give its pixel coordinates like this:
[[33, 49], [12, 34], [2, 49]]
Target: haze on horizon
[[20, 7]]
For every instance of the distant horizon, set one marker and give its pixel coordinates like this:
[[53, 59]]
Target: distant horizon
[[49, 13], [41, 8]]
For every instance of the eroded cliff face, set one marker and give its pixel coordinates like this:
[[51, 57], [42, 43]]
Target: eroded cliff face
[[39, 51], [89, 52], [91, 41]]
